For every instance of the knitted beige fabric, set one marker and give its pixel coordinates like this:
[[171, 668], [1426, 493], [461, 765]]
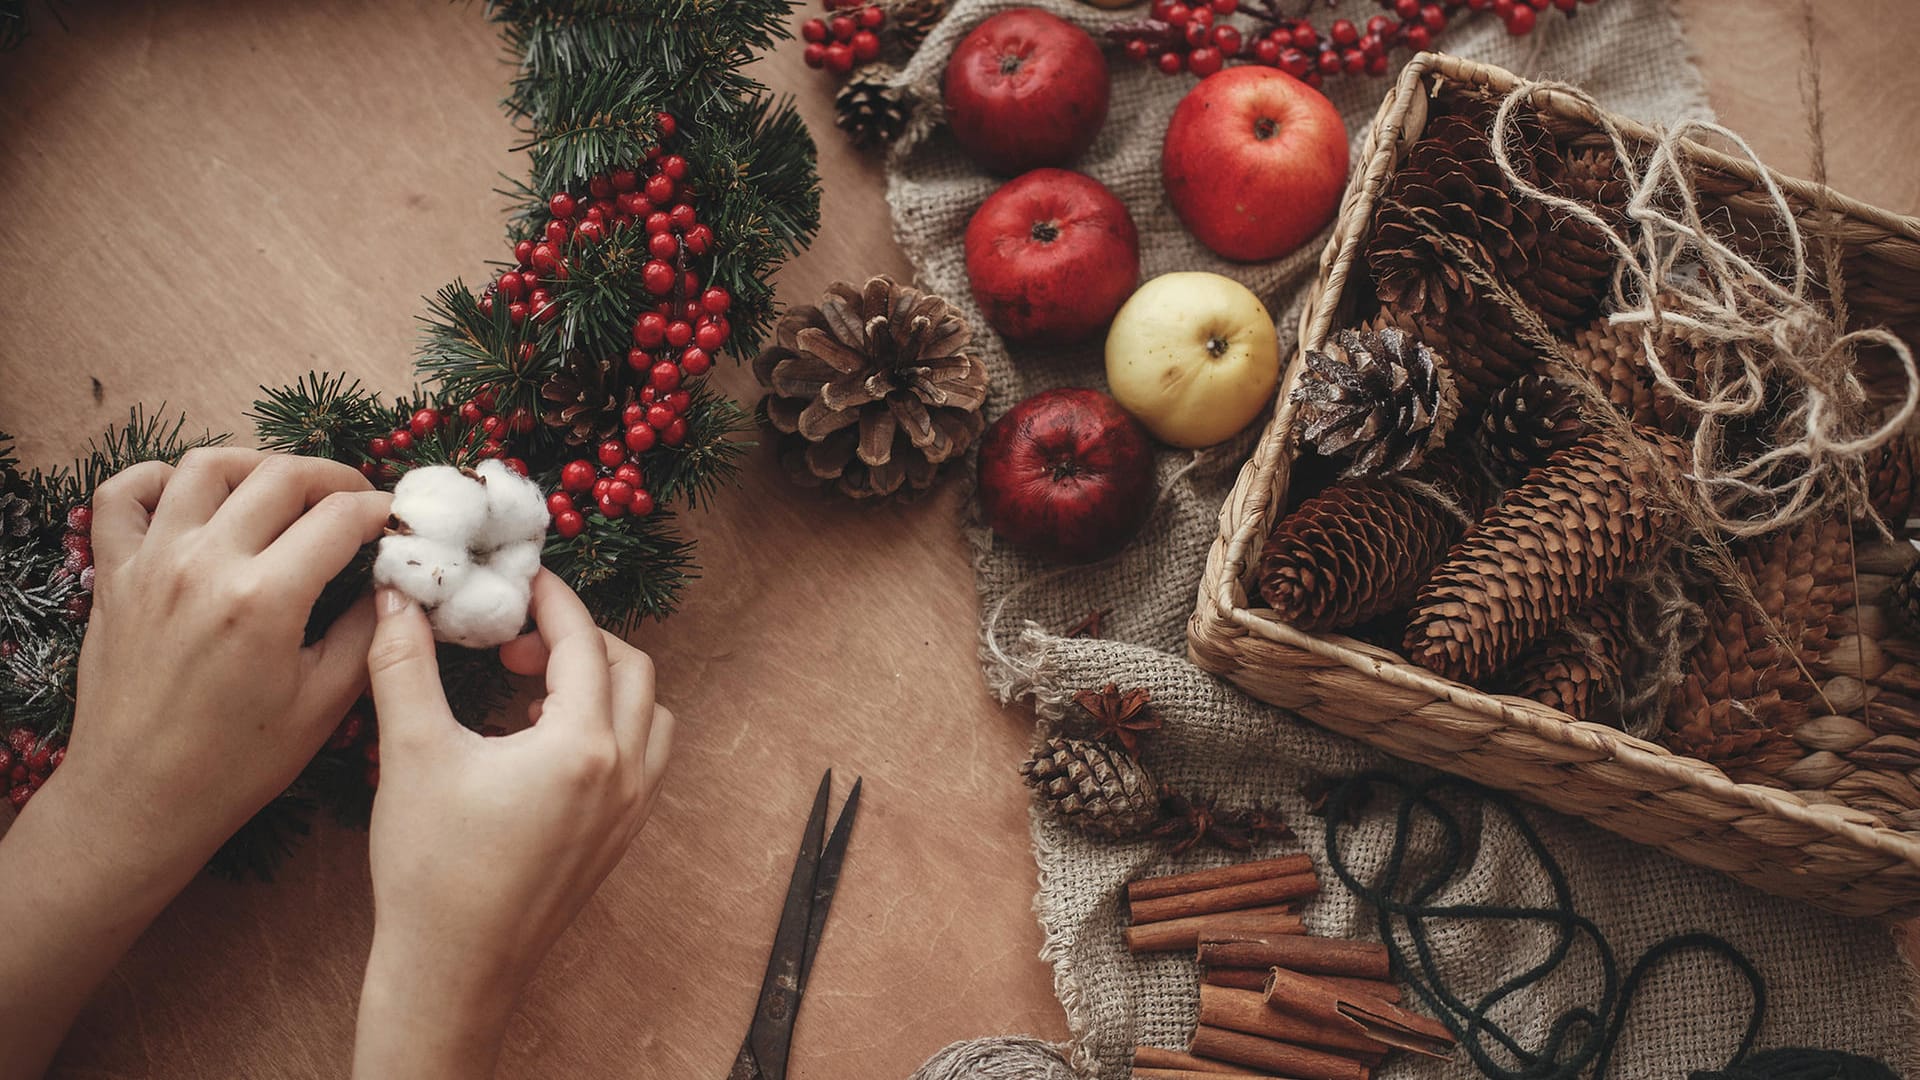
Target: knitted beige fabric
[[1833, 983]]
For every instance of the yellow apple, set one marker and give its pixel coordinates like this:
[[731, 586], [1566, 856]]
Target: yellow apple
[[1194, 356]]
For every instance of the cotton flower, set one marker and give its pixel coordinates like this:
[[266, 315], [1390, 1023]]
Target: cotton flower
[[466, 546]]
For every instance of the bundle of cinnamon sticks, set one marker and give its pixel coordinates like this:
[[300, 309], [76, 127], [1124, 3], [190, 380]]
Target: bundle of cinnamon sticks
[[1274, 1002]]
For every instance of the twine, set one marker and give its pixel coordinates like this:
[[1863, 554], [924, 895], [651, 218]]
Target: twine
[[1754, 332]]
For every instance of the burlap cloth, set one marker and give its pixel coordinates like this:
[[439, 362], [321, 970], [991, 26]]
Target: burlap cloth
[[1833, 983]]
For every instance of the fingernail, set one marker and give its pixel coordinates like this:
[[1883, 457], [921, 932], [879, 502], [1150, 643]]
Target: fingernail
[[390, 601]]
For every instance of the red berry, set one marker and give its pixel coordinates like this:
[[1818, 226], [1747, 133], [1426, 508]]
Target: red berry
[[641, 437], [716, 300], [624, 180], [1353, 60], [1343, 32], [659, 221], [620, 492], [1225, 7], [591, 231], [493, 426], [543, 258], [1518, 23], [523, 251], [658, 277], [6, 761], [675, 434], [642, 503], [665, 375], [679, 332], [679, 401], [674, 166], [518, 465], [1197, 36], [377, 448], [699, 239], [569, 524], [1201, 15], [470, 413], [559, 503], [814, 30], [866, 46], [1418, 37], [423, 422], [520, 421], [1434, 18], [19, 796], [650, 329], [843, 28], [630, 473], [683, 217], [561, 204], [556, 233], [840, 58], [1227, 39], [612, 453], [1378, 25], [600, 487], [663, 245], [1377, 65], [1305, 38], [1267, 51], [694, 361], [872, 17], [1204, 61], [667, 125], [815, 55], [59, 756], [1329, 61], [517, 312], [660, 185], [611, 509], [1138, 49], [402, 441], [1407, 9], [486, 306], [21, 740], [659, 416], [634, 413]]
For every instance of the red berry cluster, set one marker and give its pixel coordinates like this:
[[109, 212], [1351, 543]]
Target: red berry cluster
[[849, 35], [25, 763], [77, 542], [486, 435], [1190, 35], [357, 734]]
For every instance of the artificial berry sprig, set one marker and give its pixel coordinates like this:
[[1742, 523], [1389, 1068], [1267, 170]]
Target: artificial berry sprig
[[848, 36], [1191, 35]]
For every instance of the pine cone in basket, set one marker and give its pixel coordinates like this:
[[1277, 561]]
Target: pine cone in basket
[[1378, 400], [1577, 668], [1354, 552], [1903, 600], [870, 108], [1571, 527], [1530, 418], [1890, 481], [1611, 358], [873, 390], [585, 398], [1095, 787]]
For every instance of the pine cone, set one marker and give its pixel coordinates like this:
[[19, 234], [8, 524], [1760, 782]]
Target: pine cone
[[1378, 400], [16, 518], [910, 21], [1904, 601], [870, 108], [585, 399], [873, 390], [1530, 418], [1593, 177], [1611, 357], [1890, 481], [1485, 349], [1096, 788], [1354, 552], [1577, 668], [1569, 529]]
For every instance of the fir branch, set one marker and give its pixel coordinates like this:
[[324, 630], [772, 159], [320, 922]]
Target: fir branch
[[624, 571], [32, 596], [141, 438], [37, 680], [710, 455], [322, 415], [463, 349]]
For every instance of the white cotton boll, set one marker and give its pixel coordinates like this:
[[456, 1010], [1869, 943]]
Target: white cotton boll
[[516, 512], [426, 569], [489, 609], [441, 502], [517, 561]]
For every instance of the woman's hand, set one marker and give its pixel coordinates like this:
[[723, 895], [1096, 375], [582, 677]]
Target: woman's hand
[[197, 704], [484, 849]]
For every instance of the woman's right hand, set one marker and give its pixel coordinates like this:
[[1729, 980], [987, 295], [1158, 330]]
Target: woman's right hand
[[484, 849]]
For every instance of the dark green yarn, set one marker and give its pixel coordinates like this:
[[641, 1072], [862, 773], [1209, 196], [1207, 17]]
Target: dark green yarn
[[1585, 1035]]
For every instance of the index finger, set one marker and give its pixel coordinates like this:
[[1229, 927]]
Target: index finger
[[325, 539], [122, 507], [577, 655]]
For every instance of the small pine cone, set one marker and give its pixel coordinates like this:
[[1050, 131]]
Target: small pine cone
[[1890, 481], [1577, 668], [1529, 419], [1099, 789], [910, 21], [1378, 400], [1354, 552], [870, 108], [16, 518], [1570, 528], [585, 398], [1593, 177], [1485, 349]]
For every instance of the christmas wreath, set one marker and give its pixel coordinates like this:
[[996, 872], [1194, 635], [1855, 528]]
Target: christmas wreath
[[665, 186]]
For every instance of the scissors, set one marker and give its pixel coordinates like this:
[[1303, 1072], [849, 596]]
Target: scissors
[[816, 873]]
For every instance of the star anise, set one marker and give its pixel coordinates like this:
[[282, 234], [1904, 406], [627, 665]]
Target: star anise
[[1122, 715], [1187, 821]]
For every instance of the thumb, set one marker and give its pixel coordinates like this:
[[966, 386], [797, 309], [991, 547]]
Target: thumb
[[404, 670]]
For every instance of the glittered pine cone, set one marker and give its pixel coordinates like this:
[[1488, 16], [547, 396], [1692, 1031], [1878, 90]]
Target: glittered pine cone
[[1355, 552], [1376, 400], [870, 108], [1529, 419], [873, 390], [1571, 527], [1095, 787], [16, 518], [585, 398]]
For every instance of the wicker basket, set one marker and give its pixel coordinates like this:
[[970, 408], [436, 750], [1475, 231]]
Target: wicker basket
[[1825, 854]]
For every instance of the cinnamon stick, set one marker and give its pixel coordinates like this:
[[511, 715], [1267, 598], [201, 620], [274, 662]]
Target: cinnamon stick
[[1220, 876], [1227, 898], [1152, 1057], [1196, 1074], [1295, 952], [1256, 979], [1281, 1059], [1311, 999], [1183, 935], [1246, 1011]]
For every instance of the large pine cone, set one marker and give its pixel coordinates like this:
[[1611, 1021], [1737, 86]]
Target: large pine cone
[[1529, 419], [1577, 668], [585, 398], [1376, 400], [873, 390], [1354, 552], [1590, 514], [1097, 788], [870, 108]]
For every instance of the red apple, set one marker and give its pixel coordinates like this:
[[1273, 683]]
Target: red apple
[[1254, 162], [1066, 474], [1052, 255], [1025, 89]]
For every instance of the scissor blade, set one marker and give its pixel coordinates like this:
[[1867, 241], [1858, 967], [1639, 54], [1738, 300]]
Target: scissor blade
[[827, 879], [772, 1031]]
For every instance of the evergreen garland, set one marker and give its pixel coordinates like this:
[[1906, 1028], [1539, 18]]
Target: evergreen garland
[[602, 87]]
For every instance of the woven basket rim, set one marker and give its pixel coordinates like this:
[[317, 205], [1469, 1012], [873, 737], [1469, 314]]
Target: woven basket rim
[[1223, 610]]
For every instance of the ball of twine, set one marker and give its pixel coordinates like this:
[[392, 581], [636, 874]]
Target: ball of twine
[[1004, 1058]]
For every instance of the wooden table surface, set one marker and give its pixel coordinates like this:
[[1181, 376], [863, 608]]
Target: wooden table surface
[[204, 197]]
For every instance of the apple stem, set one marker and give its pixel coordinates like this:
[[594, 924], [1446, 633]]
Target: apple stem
[[1045, 232], [1010, 63], [1265, 128], [1216, 346]]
